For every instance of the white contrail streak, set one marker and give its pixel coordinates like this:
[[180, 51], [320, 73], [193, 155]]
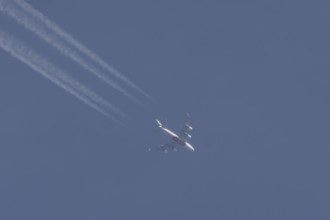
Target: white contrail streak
[[70, 39], [26, 55], [36, 27]]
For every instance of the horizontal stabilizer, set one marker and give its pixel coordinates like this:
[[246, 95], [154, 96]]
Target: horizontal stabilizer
[[159, 123]]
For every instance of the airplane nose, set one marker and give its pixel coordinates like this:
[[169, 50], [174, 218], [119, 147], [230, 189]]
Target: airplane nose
[[189, 147]]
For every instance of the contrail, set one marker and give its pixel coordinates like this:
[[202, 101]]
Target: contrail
[[71, 40], [31, 24], [27, 56]]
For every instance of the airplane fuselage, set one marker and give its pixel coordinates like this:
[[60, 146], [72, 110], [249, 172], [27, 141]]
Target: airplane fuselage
[[177, 140]]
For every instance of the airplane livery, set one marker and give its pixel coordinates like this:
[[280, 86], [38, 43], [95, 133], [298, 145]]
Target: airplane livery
[[177, 141]]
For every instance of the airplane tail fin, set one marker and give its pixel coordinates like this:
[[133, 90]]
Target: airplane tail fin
[[159, 123]]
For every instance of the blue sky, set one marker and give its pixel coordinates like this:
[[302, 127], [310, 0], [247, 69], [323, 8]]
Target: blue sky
[[254, 76]]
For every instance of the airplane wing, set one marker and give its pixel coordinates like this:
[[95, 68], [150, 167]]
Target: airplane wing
[[186, 130], [166, 147]]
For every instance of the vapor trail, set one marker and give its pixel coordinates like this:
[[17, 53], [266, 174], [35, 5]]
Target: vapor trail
[[36, 27], [70, 39], [27, 56]]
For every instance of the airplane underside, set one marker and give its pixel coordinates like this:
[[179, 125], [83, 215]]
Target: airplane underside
[[177, 140]]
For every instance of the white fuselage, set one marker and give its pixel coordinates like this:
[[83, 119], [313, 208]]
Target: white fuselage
[[177, 139]]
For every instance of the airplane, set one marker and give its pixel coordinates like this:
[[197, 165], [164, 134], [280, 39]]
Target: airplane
[[177, 141]]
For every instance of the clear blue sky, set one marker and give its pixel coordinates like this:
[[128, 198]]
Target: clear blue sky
[[254, 75]]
